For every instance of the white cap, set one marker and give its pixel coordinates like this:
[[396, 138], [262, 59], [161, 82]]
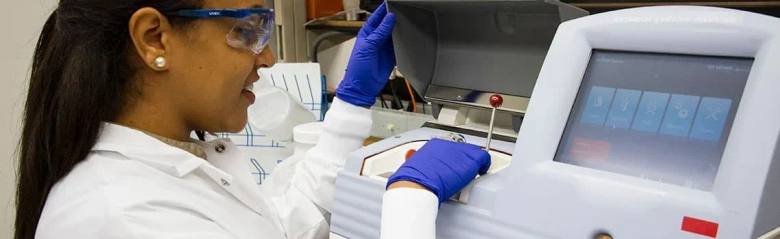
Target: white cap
[[308, 133]]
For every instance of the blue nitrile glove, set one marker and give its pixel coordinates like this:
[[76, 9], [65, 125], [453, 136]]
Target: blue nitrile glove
[[444, 167], [371, 62]]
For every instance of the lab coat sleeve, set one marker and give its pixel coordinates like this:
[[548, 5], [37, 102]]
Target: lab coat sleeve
[[303, 210], [409, 213]]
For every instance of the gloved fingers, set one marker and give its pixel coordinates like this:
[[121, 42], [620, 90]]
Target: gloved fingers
[[377, 16], [485, 164], [389, 53], [480, 157], [434, 143], [382, 34]]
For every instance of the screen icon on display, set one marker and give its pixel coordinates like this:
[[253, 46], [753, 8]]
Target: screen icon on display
[[652, 106], [678, 119], [623, 108], [598, 105], [711, 118]]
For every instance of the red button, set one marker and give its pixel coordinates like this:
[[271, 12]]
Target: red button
[[701, 227], [410, 153], [586, 149]]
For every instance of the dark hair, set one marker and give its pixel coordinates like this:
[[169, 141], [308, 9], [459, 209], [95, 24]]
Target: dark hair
[[81, 76]]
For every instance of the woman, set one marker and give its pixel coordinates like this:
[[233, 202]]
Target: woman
[[116, 89]]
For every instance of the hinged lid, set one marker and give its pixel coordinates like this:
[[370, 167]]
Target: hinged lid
[[461, 52]]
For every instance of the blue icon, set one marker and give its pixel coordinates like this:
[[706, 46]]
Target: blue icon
[[598, 105], [711, 118], [679, 115], [650, 111], [623, 108]]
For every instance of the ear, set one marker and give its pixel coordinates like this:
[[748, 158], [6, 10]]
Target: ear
[[151, 32]]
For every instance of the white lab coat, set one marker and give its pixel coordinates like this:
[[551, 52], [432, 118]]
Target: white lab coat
[[134, 186]]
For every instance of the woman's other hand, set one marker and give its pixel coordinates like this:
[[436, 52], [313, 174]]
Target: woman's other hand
[[443, 167], [371, 62]]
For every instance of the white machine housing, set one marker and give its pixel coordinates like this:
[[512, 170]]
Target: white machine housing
[[557, 200], [537, 197]]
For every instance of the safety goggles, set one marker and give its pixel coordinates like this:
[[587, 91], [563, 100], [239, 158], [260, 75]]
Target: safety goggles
[[252, 30]]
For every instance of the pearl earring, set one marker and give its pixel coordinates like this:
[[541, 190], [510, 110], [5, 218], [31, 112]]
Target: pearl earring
[[160, 62]]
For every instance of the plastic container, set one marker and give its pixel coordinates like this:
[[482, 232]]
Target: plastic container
[[352, 8], [276, 113], [306, 136], [323, 8], [351, 4]]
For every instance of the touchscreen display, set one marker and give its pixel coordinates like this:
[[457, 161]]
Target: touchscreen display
[[660, 117]]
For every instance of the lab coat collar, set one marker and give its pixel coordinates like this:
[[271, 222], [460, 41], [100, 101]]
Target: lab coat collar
[[142, 147]]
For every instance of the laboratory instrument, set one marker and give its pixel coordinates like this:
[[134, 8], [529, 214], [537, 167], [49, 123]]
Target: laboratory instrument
[[652, 122], [428, 39]]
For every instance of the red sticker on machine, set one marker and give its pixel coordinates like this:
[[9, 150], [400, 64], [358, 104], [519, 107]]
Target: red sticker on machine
[[701, 227]]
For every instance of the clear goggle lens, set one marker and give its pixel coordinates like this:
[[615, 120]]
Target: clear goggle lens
[[252, 32]]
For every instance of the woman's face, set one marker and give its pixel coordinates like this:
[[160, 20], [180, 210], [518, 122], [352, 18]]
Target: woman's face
[[208, 75]]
